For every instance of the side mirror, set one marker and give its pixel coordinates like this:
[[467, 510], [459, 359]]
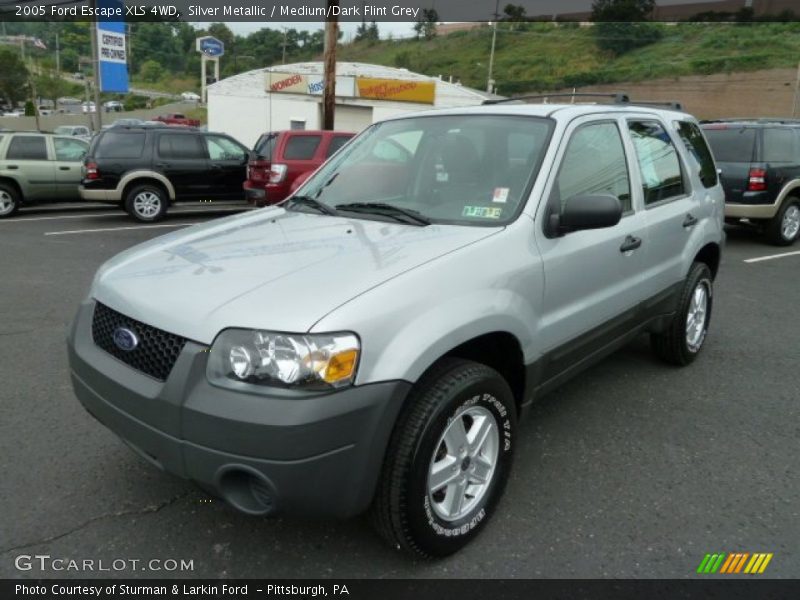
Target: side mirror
[[587, 212]]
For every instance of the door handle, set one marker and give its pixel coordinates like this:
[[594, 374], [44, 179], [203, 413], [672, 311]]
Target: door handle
[[162, 165], [12, 167], [217, 167], [630, 243], [63, 168], [690, 221]]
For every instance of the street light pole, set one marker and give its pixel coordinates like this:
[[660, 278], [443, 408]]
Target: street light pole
[[490, 81]]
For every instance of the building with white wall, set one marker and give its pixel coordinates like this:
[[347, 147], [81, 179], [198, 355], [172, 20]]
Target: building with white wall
[[290, 97]]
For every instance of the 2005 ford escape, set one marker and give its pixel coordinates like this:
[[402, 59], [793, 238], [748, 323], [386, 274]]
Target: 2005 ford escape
[[369, 343]]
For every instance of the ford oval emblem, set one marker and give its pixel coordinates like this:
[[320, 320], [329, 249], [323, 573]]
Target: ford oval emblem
[[125, 339]]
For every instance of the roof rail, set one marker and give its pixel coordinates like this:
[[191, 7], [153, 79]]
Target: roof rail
[[752, 120], [618, 97]]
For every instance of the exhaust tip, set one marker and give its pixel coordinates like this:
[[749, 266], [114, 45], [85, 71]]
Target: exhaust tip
[[247, 490]]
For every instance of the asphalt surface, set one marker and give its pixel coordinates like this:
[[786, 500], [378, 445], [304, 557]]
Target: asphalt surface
[[634, 469]]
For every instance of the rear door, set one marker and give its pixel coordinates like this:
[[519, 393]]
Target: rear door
[[227, 160], [181, 157], [27, 160], [734, 148], [69, 153]]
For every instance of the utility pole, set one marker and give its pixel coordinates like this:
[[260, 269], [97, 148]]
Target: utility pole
[[490, 81], [58, 58], [285, 32], [329, 94], [96, 68]]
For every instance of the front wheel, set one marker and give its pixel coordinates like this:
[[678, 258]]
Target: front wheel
[[146, 203], [9, 200], [448, 459], [683, 339]]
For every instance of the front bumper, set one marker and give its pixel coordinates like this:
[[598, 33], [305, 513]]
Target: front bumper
[[276, 451]]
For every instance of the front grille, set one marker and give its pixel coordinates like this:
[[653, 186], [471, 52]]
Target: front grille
[[156, 353]]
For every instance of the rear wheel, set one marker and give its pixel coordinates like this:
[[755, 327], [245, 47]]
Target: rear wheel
[[448, 460], [146, 203], [684, 337], [9, 200], [784, 228]]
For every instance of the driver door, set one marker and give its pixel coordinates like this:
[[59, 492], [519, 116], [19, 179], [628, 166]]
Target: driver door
[[594, 278]]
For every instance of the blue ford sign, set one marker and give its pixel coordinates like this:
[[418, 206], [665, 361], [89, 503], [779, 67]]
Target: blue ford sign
[[125, 339], [211, 46]]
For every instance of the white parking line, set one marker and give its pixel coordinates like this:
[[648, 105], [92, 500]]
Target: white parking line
[[772, 256], [120, 214], [77, 231]]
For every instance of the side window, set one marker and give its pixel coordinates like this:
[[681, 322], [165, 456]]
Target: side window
[[336, 143], [780, 145], [70, 150], [27, 147], [696, 145], [301, 147], [221, 148], [594, 163], [659, 165], [180, 146]]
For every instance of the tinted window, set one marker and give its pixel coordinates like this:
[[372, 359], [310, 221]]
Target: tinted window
[[780, 145], [593, 164], [659, 165], [119, 145], [301, 147], [221, 148], [732, 144], [27, 147], [69, 150], [336, 143], [265, 146], [696, 145], [181, 146]]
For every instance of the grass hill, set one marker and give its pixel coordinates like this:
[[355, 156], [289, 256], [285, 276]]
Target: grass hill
[[534, 57]]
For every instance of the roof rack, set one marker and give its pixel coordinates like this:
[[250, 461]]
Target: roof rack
[[752, 120], [616, 97]]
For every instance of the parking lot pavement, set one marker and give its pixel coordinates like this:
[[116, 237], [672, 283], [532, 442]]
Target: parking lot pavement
[[634, 469]]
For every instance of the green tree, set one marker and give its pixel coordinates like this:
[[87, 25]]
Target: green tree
[[621, 25], [13, 75], [514, 12], [426, 24], [151, 71]]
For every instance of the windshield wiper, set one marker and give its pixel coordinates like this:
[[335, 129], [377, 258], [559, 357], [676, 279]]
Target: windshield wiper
[[313, 203], [388, 210]]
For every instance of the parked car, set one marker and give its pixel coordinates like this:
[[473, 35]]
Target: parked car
[[145, 169], [190, 97], [36, 167], [370, 343], [88, 107], [80, 131], [17, 112], [177, 119], [759, 163], [282, 160], [67, 101], [113, 106]]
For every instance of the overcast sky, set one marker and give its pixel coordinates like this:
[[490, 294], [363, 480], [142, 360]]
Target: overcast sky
[[396, 29]]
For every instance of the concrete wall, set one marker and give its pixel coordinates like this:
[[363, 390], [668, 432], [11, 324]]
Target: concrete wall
[[767, 93]]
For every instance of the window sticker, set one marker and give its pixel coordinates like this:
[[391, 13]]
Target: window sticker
[[500, 195], [482, 212]]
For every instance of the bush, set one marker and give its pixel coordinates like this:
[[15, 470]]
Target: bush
[[30, 109], [619, 38]]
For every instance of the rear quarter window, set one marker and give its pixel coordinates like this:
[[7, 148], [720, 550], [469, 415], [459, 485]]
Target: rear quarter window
[[781, 145], [301, 147], [119, 145], [695, 143], [732, 144]]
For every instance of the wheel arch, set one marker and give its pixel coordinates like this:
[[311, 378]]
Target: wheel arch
[[710, 255], [143, 177], [10, 181]]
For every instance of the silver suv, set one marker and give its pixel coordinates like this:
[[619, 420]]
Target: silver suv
[[369, 343]]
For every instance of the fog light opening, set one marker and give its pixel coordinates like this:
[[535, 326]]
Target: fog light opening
[[247, 490]]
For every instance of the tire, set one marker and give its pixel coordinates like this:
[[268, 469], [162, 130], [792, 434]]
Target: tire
[[784, 228], [9, 200], [678, 345], [455, 397], [147, 203]]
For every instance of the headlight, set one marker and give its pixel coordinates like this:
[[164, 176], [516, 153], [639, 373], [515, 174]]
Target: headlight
[[315, 361]]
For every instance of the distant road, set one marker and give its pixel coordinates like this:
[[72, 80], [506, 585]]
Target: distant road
[[133, 90]]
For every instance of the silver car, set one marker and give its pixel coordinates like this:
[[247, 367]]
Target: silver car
[[369, 343]]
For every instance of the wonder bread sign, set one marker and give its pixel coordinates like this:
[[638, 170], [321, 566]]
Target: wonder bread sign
[[393, 90]]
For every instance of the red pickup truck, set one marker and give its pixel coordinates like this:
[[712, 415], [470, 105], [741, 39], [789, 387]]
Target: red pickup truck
[[178, 119], [282, 160]]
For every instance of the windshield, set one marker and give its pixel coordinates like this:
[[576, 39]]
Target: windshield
[[461, 169]]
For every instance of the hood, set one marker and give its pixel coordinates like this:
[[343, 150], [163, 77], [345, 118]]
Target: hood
[[268, 269]]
